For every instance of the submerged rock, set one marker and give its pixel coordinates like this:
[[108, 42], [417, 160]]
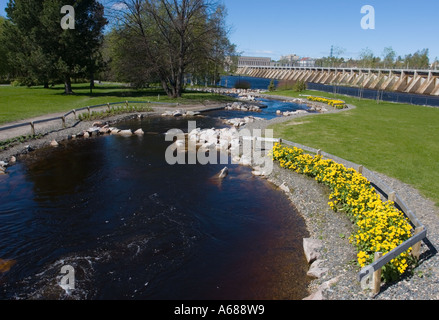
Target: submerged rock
[[224, 173]]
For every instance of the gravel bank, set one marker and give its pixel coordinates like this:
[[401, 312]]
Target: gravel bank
[[334, 229]]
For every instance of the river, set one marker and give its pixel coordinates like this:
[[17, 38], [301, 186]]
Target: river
[[133, 227]]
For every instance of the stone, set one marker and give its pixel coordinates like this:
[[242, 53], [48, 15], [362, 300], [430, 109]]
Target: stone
[[12, 160], [54, 143], [316, 271], [318, 294], [311, 248], [125, 132], [86, 135], [223, 173], [284, 188], [139, 132]]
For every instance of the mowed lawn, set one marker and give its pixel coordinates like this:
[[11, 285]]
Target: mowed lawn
[[18, 103], [399, 140]]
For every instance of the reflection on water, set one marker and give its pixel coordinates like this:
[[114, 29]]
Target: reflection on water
[[134, 227]]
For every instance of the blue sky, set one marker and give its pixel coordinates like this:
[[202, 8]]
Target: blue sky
[[309, 28]]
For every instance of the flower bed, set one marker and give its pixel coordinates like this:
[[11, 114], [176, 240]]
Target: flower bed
[[339, 104], [378, 225]]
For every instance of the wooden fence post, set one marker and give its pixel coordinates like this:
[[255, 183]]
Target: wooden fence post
[[63, 119], [416, 249], [32, 128], [392, 196], [108, 106], [89, 112], [360, 169], [377, 276], [74, 113]]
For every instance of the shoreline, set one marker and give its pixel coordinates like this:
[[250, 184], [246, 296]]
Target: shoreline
[[333, 229]]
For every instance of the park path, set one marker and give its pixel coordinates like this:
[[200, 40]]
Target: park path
[[56, 125]]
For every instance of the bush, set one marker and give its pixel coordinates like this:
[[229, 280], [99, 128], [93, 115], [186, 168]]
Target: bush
[[271, 87], [243, 85], [297, 86]]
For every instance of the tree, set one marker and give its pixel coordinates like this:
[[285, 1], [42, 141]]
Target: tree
[[389, 56], [163, 40], [46, 52], [5, 68]]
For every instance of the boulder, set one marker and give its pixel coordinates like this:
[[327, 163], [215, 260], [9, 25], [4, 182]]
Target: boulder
[[125, 132], [316, 271], [54, 143], [284, 188], [311, 248], [139, 132], [12, 160], [86, 135]]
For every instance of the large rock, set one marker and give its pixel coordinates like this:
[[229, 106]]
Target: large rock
[[125, 132], [54, 143], [318, 294], [316, 270], [311, 247]]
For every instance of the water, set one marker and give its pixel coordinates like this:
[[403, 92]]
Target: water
[[398, 97], [133, 227], [256, 83]]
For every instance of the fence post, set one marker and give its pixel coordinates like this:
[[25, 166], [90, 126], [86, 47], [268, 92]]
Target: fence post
[[32, 128], [74, 113], [416, 249], [63, 119], [108, 106], [392, 196], [319, 152], [360, 169], [89, 112], [377, 276]]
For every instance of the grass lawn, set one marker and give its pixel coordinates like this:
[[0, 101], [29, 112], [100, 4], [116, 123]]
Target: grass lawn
[[398, 140], [18, 103]]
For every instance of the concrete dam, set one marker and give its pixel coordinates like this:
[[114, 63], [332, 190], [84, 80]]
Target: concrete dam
[[425, 82]]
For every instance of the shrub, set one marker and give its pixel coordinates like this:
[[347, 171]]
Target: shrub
[[272, 86], [297, 86], [243, 85]]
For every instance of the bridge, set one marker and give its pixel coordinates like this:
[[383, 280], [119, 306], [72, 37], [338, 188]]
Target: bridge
[[424, 82]]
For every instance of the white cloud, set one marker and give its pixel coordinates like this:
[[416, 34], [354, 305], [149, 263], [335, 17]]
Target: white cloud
[[119, 6]]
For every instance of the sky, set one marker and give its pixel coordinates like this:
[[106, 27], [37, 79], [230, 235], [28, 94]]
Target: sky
[[309, 28]]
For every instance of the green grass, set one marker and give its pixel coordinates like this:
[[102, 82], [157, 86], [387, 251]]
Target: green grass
[[18, 103], [398, 140]]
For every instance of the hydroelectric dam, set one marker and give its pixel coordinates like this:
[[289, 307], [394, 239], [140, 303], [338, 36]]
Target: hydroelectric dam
[[425, 82]]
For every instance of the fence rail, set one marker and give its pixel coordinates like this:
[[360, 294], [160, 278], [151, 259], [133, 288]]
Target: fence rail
[[370, 276], [74, 112]]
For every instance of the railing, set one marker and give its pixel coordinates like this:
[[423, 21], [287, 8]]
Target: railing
[[370, 276], [74, 112], [346, 69]]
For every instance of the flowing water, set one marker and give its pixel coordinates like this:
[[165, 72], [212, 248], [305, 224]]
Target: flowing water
[[134, 227]]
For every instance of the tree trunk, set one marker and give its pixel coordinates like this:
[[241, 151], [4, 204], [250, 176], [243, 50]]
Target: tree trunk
[[68, 85], [92, 83], [46, 85]]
